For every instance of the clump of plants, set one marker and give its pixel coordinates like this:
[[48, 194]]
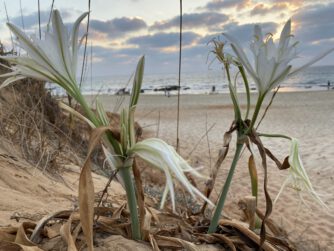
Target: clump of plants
[[272, 65], [54, 59]]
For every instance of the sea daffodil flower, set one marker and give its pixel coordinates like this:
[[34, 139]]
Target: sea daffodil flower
[[297, 177], [272, 62], [161, 155], [53, 59]]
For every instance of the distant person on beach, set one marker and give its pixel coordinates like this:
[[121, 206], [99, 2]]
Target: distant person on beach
[[328, 84], [167, 92], [213, 89]]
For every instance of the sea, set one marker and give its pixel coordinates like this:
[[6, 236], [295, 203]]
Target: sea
[[315, 78]]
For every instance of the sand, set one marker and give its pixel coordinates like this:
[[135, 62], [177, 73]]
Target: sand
[[307, 116]]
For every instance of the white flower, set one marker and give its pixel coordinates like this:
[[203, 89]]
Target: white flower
[[297, 177], [53, 59], [272, 62], [162, 156]]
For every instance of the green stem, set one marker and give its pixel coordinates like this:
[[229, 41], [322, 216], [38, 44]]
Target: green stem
[[237, 112], [222, 198], [92, 117], [256, 113], [88, 111], [243, 74], [274, 136], [125, 173]]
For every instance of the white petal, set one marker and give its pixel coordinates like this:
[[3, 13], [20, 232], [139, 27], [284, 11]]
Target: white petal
[[61, 35], [161, 155], [285, 36], [280, 77], [264, 69], [74, 39], [240, 54], [271, 50], [311, 62]]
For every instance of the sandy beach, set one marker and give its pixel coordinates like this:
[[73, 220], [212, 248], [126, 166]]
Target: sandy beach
[[307, 116]]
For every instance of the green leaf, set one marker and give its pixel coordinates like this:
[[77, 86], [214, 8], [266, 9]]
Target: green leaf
[[102, 113], [124, 129], [137, 82]]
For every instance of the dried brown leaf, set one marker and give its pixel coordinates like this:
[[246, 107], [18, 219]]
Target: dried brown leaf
[[16, 239], [221, 156], [225, 240], [117, 214], [65, 232], [153, 243], [248, 233], [281, 166], [86, 202], [253, 175], [6, 236], [227, 138], [176, 242], [86, 189], [146, 225], [154, 214], [53, 230], [269, 204], [10, 246], [35, 236], [21, 236]]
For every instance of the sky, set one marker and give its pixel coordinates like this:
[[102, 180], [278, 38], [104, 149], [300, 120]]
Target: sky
[[121, 31]]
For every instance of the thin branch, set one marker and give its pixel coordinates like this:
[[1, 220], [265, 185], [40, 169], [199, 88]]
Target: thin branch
[[179, 87], [85, 48], [158, 125], [268, 106], [39, 20], [91, 65], [207, 140], [22, 21], [52, 4], [105, 190], [199, 141], [11, 37]]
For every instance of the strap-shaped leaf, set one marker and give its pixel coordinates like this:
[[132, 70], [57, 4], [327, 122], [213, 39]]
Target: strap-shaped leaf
[[137, 82]]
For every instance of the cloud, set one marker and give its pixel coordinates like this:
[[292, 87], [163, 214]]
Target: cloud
[[315, 23], [242, 32], [118, 27], [262, 9], [31, 20], [216, 5], [162, 40], [293, 3], [192, 20], [123, 61]]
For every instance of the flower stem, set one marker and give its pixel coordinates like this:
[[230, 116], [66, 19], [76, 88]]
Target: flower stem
[[274, 136], [233, 94], [125, 173], [256, 112], [243, 74], [222, 198]]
